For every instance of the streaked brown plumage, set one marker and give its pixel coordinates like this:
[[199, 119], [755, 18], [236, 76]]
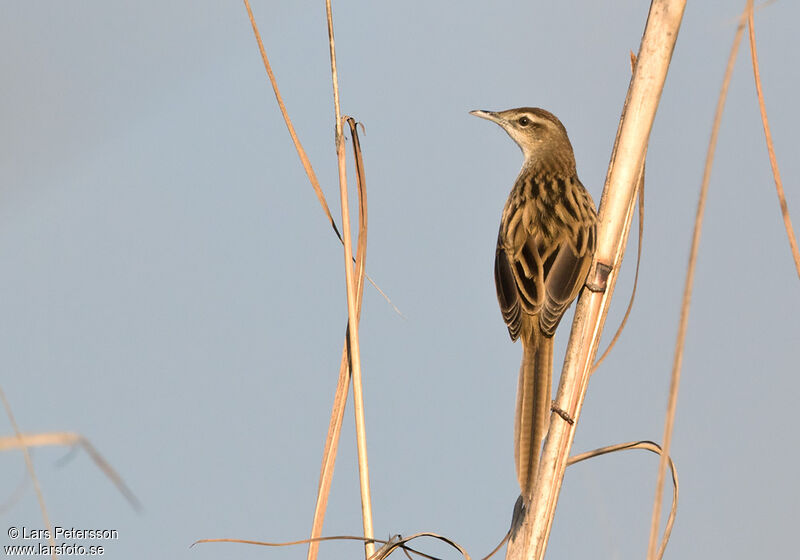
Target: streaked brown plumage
[[544, 251]]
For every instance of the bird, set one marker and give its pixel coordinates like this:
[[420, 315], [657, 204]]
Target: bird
[[545, 248]]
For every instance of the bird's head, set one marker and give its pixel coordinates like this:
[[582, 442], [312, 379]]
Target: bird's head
[[539, 134]]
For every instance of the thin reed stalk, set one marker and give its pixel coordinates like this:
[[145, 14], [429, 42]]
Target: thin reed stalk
[[352, 314]]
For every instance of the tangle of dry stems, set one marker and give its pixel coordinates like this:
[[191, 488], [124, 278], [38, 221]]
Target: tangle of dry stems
[[354, 295], [397, 542], [312, 176]]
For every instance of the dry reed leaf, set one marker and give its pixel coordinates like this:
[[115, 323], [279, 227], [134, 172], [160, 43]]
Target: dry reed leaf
[[773, 161], [401, 542]]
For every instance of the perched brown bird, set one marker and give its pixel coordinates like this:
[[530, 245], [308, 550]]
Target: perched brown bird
[[544, 251]]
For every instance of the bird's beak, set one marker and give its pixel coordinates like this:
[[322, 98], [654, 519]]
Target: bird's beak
[[489, 116]]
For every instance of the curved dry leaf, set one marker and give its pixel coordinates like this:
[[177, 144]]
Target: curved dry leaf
[[646, 446], [395, 542]]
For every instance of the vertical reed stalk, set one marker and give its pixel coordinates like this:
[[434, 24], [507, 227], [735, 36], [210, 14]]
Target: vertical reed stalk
[[355, 354], [530, 536]]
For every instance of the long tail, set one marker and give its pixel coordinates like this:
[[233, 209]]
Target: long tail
[[533, 408]]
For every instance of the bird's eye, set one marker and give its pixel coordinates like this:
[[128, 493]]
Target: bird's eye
[[524, 121]]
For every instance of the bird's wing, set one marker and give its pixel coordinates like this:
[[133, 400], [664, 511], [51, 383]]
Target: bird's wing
[[564, 279], [507, 295], [534, 277], [519, 274]]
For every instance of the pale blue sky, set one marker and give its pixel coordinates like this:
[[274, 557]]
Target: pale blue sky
[[172, 291]]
